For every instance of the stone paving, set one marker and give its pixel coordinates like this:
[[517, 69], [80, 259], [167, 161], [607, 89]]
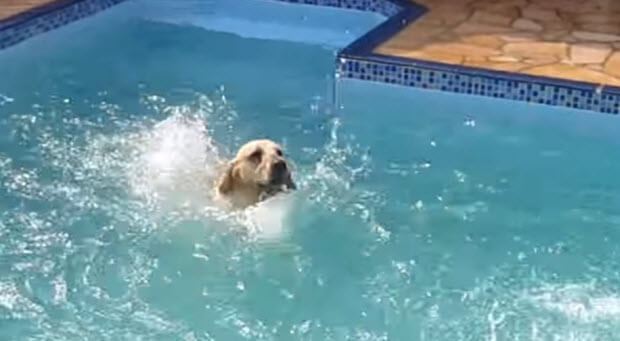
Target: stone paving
[[570, 39], [9, 8]]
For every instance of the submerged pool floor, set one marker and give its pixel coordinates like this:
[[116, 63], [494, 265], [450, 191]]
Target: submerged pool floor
[[420, 215]]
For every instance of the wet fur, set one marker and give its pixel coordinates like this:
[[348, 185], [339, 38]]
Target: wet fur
[[253, 176]]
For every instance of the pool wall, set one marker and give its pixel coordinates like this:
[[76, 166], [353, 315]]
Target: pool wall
[[47, 17], [359, 61]]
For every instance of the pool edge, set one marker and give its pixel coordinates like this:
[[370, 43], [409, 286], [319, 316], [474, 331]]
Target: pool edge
[[359, 61], [46, 17]]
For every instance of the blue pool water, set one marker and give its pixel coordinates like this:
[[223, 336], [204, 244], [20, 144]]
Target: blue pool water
[[420, 215]]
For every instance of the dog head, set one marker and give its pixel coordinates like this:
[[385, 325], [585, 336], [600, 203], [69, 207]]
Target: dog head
[[259, 170]]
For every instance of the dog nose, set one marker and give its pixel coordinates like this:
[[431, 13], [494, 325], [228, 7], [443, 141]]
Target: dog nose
[[279, 166]]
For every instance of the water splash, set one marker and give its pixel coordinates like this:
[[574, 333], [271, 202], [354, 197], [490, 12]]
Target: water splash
[[342, 163], [176, 163], [88, 197]]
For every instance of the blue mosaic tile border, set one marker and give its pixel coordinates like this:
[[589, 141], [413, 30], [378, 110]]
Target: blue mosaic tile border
[[386, 8], [542, 91], [48, 17], [358, 61]]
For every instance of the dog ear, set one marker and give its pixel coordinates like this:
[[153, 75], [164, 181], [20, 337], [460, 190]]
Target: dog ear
[[226, 182]]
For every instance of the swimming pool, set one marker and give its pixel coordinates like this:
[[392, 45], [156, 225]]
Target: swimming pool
[[420, 215]]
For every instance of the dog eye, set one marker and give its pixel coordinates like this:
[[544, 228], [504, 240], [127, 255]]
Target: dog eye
[[256, 156], [279, 152]]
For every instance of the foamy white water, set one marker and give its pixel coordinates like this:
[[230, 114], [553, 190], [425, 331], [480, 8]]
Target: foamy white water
[[177, 163], [268, 219]]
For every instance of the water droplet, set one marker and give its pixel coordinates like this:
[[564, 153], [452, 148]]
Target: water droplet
[[418, 205]]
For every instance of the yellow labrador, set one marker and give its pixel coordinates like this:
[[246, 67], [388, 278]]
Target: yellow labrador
[[257, 172]]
